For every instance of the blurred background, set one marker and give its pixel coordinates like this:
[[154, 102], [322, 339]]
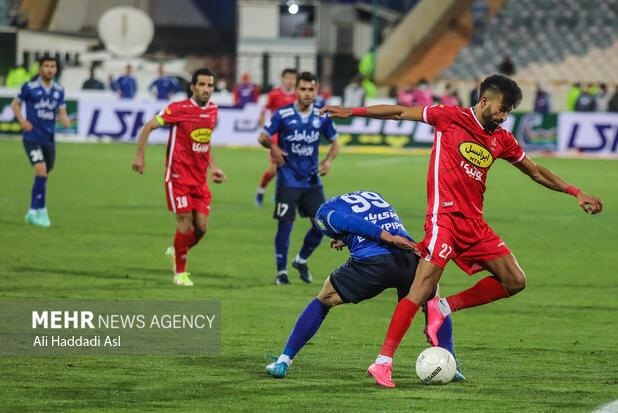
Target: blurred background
[[563, 53]]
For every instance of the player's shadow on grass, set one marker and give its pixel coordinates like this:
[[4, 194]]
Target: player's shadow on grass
[[18, 223]]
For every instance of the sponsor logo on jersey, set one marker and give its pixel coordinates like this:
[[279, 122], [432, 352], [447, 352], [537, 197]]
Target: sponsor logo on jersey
[[201, 135], [316, 123], [476, 154], [199, 147], [320, 224]]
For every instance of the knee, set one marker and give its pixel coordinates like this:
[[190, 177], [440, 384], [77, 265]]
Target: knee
[[516, 283], [200, 230]]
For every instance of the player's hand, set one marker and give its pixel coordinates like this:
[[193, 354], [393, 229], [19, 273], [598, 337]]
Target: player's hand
[[324, 167], [26, 126], [138, 164], [218, 176], [589, 203], [337, 244], [66, 122], [398, 241], [336, 112], [278, 155]]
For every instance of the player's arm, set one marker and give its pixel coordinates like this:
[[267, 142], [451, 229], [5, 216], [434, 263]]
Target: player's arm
[[396, 112], [216, 174], [548, 179], [342, 222], [265, 139], [326, 162], [139, 164], [26, 126], [64, 116]]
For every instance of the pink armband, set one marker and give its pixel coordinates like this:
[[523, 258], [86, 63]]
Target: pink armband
[[572, 190], [360, 112]]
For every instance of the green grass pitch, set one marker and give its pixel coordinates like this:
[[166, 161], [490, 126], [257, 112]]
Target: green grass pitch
[[554, 347]]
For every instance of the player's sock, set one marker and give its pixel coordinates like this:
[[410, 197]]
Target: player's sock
[[266, 178], [445, 335], [485, 291], [282, 244], [400, 322], [310, 243], [197, 236], [181, 248], [37, 201], [306, 326]]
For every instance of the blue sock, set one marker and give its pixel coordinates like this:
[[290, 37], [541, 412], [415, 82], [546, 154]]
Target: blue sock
[[445, 335], [282, 244], [311, 242], [37, 200], [306, 326]]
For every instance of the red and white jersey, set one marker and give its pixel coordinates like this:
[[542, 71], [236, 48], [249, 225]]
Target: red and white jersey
[[188, 148], [278, 98], [461, 157]]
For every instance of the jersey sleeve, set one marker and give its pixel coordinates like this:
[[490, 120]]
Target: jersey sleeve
[[24, 92], [328, 129], [512, 151], [270, 101], [339, 222], [438, 116], [272, 126], [170, 115]]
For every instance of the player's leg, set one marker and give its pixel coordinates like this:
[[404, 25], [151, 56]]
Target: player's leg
[[200, 227], [49, 153], [183, 238], [306, 326], [37, 198], [268, 176], [286, 200], [308, 206]]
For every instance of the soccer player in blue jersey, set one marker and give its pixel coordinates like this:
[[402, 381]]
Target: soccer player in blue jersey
[[299, 127], [164, 87], [42, 97], [382, 257]]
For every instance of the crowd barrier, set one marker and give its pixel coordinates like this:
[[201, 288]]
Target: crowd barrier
[[102, 117]]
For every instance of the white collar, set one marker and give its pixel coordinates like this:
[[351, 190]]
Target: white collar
[[476, 119]]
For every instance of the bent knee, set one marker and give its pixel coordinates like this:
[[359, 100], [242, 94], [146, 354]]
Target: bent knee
[[516, 283]]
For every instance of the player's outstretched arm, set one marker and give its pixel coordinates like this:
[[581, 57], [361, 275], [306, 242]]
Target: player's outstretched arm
[[139, 164], [543, 176], [396, 112]]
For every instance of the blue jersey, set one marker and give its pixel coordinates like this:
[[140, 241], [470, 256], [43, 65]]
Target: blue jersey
[[126, 85], [358, 218], [165, 87], [299, 137], [41, 105]]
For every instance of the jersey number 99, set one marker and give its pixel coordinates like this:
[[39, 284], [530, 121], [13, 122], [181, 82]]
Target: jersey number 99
[[364, 200]]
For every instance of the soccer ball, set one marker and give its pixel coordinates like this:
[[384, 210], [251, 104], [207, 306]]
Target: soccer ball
[[435, 365]]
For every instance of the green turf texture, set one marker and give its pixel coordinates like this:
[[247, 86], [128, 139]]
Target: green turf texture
[[554, 347]]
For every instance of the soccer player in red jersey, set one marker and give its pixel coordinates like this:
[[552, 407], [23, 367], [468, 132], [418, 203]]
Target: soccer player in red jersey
[[188, 158], [466, 143], [277, 98]]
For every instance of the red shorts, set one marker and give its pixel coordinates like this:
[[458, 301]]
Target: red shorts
[[187, 198], [469, 242]]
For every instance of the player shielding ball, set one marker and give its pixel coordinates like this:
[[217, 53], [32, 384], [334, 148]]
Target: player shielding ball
[[189, 156], [382, 257], [467, 141], [42, 97], [299, 128]]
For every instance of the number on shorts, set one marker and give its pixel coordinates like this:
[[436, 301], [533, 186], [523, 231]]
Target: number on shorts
[[181, 202], [36, 155], [445, 251], [363, 201], [282, 209]]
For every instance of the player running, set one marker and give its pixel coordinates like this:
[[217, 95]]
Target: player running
[[188, 158], [277, 98], [466, 143], [42, 97], [381, 258], [299, 127]]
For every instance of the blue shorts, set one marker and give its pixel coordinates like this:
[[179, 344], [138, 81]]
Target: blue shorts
[[306, 200], [359, 280], [38, 153]]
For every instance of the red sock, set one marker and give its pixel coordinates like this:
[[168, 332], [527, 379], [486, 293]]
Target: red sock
[[485, 291], [266, 179], [181, 247], [400, 322]]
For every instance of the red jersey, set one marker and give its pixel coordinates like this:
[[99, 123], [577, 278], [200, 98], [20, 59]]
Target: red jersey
[[278, 98], [461, 157], [188, 148]]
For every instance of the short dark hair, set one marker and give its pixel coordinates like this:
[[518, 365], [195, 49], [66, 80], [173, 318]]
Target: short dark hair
[[47, 58], [507, 87], [307, 77], [289, 70], [201, 72]]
